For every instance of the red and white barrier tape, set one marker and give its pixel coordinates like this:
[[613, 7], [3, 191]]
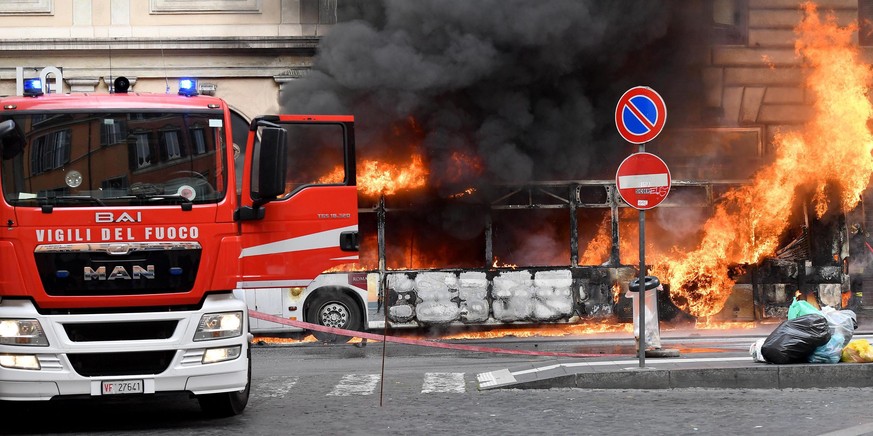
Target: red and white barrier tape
[[419, 342]]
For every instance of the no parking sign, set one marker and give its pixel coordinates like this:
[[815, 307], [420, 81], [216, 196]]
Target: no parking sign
[[640, 115]]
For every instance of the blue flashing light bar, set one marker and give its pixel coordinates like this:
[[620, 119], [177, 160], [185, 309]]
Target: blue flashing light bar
[[187, 86], [33, 87]]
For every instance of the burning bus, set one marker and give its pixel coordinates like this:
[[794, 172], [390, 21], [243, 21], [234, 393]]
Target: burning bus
[[462, 225]]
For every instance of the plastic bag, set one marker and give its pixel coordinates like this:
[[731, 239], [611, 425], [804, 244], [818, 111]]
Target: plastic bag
[[858, 351], [831, 352], [755, 351], [843, 322], [800, 308], [795, 339]]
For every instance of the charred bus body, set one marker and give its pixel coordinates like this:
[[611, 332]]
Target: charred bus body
[[551, 252]]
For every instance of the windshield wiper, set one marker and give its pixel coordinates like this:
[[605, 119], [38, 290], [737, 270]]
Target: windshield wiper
[[145, 199], [48, 203], [148, 192], [167, 197]]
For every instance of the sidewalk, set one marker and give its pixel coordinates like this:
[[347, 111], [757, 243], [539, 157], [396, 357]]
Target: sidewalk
[[680, 372], [727, 370]]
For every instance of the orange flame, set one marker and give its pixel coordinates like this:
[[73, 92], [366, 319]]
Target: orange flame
[[379, 178], [587, 327], [583, 328], [831, 151], [462, 167], [308, 339], [335, 176], [497, 264], [597, 250], [464, 193], [708, 324]]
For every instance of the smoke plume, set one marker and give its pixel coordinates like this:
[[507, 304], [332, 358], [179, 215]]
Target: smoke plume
[[526, 88]]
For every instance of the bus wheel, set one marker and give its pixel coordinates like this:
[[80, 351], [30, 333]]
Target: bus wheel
[[334, 309]]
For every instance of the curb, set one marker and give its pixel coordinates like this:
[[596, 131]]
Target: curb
[[759, 376]]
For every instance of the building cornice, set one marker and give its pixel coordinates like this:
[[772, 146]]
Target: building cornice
[[301, 44]]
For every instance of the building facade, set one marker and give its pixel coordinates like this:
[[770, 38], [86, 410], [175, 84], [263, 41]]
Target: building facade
[[240, 50], [248, 48]]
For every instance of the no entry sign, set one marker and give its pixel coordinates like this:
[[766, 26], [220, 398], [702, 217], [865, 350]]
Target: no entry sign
[[643, 180], [640, 115]]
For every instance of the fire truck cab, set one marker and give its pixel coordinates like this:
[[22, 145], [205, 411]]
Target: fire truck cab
[[127, 229]]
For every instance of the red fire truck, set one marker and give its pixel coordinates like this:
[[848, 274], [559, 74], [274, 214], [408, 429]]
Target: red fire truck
[[128, 226]]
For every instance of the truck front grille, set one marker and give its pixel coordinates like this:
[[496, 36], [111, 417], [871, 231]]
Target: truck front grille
[[134, 268], [110, 364], [120, 331]]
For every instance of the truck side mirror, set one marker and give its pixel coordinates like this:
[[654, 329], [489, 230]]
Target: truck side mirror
[[6, 127], [270, 161], [11, 141]]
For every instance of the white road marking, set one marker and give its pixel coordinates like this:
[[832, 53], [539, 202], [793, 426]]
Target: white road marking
[[275, 387], [443, 382], [355, 384]]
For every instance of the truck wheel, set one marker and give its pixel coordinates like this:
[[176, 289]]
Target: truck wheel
[[227, 404], [334, 309]]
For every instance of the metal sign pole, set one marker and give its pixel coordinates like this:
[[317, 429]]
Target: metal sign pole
[[642, 288], [640, 115]]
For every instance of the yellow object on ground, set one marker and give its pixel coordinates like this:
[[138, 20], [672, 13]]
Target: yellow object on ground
[[858, 351]]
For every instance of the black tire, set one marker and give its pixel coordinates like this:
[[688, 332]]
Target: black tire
[[227, 404], [334, 309]]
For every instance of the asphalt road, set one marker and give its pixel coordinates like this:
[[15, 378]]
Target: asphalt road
[[326, 390]]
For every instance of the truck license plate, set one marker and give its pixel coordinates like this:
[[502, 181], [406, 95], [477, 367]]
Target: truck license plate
[[116, 387]]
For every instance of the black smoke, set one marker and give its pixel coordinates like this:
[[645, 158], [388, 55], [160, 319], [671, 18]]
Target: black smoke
[[528, 87]]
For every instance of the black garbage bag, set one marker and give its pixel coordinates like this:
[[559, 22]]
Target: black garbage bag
[[795, 339]]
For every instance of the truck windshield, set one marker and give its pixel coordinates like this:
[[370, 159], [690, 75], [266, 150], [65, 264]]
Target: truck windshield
[[113, 159]]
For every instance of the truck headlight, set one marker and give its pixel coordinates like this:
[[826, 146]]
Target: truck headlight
[[214, 355], [219, 326], [19, 361], [22, 332]]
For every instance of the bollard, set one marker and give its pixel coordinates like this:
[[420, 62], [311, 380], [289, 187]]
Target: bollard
[[652, 327]]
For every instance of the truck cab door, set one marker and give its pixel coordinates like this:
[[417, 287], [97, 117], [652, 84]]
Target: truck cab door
[[299, 207]]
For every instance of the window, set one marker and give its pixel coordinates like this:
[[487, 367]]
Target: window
[[142, 151], [198, 141], [50, 151], [205, 7], [865, 22], [31, 7], [729, 21], [316, 155], [240, 125], [112, 131], [170, 142]]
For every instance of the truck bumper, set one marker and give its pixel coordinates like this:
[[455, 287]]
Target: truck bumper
[[73, 366]]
